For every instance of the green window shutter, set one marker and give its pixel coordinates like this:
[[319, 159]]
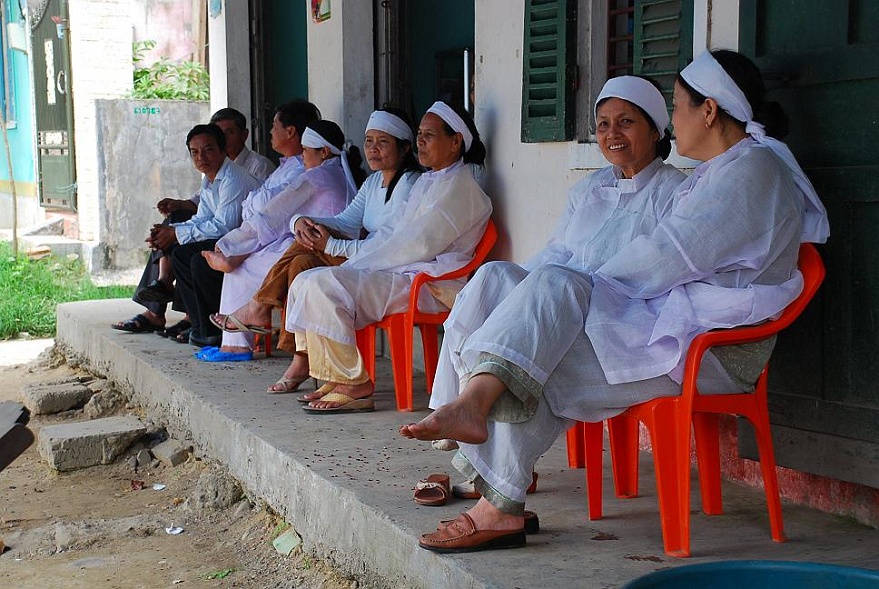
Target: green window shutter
[[549, 70], [663, 40]]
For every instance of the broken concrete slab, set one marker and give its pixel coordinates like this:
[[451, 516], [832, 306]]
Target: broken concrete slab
[[44, 399], [171, 452], [71, 446], [104, 403]]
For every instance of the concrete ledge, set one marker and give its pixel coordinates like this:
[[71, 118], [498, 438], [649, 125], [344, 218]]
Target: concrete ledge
[[345, 481]]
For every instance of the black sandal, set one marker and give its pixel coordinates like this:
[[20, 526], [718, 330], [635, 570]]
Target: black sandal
[[183, 336], [175, 329], [138, 324]]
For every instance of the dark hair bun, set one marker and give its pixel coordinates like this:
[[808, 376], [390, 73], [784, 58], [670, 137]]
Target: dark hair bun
[[663, 146], [771, 115]]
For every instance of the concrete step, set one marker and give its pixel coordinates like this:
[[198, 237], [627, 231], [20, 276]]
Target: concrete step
[[47, 398], [70, 446], [345, 482]]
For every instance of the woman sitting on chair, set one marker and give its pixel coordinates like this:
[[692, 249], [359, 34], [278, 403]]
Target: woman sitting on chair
[[437, 232], [329, 241], [597, 340]]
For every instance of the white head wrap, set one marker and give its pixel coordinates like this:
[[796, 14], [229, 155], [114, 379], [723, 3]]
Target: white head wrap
[[640, 92], [708, 78], [391, 124], [453, 120], [315, 140]]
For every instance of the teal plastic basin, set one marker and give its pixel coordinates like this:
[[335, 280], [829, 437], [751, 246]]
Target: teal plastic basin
[[756, 574]]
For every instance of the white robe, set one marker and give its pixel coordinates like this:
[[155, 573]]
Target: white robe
[[725, 254], [605, 212], [368, 211], [264, 236], [438, 231]]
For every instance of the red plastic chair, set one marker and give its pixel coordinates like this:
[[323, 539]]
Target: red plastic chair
[[400, 328], [669, 419]]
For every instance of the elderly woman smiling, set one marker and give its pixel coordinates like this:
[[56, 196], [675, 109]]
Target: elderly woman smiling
[[585, 337]]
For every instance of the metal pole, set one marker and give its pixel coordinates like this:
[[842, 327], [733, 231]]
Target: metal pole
[[467, 104], [11, 184]]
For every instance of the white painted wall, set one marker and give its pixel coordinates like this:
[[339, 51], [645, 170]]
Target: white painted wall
[[100, 47], [528, 182], [341, 66]]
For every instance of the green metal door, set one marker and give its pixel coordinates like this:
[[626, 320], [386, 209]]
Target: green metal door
[[54, 106], [821, 61]]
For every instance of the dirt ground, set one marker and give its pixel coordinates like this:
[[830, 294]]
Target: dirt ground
[[91, 529]]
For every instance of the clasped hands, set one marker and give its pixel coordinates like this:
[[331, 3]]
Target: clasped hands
[[311, 234]]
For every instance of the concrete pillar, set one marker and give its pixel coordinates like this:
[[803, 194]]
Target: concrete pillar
[[229, 55], [341, 65]]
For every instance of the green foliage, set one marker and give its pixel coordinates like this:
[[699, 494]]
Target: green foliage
[[30, 290], [221, 574], [167, 80]]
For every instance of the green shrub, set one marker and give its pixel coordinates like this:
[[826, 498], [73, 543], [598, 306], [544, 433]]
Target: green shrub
[[167, 80], [30, 290]]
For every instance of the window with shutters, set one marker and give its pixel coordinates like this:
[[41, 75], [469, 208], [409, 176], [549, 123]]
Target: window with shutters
[[572, 47], [549, 80]]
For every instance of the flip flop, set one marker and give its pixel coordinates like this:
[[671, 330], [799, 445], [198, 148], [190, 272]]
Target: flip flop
[[218, 355], [289, 385], [221, 321], [202, 352], [348, 405], [138, 324], [317, 394], [433, 490]]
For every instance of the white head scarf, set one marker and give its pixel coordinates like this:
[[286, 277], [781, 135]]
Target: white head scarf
[[314, 140], [453, 120], [708, 78], [391, 124], [640, 92]]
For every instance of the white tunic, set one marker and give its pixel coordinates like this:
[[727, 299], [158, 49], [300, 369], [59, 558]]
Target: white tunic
[[604, 213], [725, 254], [265, 235], [259, 166], [368, 211], [443, 221]]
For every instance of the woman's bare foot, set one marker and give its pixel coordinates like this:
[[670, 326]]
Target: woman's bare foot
[[254, 313], [355, 391], [464, 419], [296, 371], [457, 420]]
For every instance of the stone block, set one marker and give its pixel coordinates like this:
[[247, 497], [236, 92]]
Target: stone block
[[71, 446], [171, 452], [144, 458], [104, 403], [43, 399]]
